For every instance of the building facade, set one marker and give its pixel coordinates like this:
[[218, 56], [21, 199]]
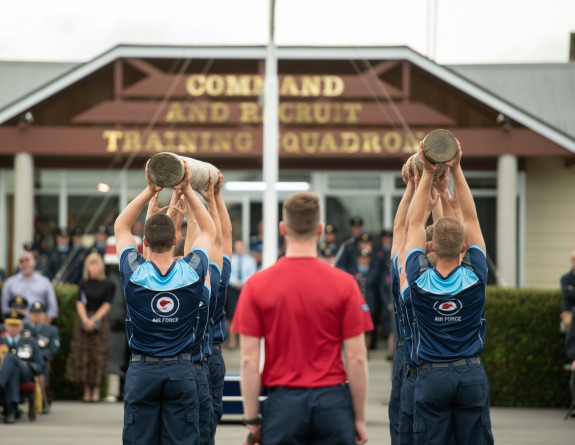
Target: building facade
[[73, 150]]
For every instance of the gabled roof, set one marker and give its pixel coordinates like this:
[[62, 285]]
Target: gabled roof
[[448, 75], [544, 90], [18, 79]]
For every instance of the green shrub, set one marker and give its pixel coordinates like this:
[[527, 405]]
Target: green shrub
[[524, 350], [61, 388]]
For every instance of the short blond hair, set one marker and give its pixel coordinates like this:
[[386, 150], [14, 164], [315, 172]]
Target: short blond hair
[[94, 257], [448, 238], [301, 214]]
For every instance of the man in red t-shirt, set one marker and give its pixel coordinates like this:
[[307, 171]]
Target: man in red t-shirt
[[305, 310]]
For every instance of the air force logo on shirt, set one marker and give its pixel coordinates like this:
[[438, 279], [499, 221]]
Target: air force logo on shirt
[[166, 306], [447, 310]]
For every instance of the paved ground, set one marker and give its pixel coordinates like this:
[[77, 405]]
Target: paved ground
[[101, 424]]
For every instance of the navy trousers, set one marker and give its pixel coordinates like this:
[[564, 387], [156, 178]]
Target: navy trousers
[[394, 398], [217, 368], [452, 406], [161, 403], [406, 409], [205, 402], [308, 416], [12, 373]]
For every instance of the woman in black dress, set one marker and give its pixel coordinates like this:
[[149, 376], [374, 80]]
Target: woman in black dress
[[88, 359]]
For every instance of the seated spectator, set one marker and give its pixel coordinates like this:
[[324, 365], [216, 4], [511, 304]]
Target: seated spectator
[[32, 285], [22, 361], [19, 304], [48, 338]]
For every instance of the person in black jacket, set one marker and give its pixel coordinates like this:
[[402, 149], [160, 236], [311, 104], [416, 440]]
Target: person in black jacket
[[570, 350], [568, 291]]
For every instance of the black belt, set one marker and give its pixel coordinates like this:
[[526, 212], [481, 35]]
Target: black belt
[[269, 389], [173, 358], [411, 372], [218, 346], [461, 362], [400, 343]]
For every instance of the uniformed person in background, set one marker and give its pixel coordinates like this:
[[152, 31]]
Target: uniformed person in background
[[48, 338], [19, 304], [22, 361], [57, 256], [347, 253], [330, 237], [76, 259], [100, 240]]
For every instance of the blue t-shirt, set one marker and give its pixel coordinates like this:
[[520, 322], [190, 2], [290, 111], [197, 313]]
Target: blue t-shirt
[[408, 326], [162, 310], [394, 275], [215, 274], [218, 331], [201, 324], [449, 312]]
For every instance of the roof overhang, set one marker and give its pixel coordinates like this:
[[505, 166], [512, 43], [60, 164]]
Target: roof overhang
[[290, 53]]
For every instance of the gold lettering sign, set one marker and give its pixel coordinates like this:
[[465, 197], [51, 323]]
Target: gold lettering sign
[[216, 85], [112, 136], [179, 141], [323, 113], [349, 142], [290, 142]]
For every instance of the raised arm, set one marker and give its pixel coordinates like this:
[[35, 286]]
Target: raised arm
[[420, 207], [128, 216], [224, 219], [153, 209], [207, 227], [473, 235], [210, 198], [401, 214], [176, 216]]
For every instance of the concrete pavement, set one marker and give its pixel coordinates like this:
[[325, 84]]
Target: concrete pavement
[[101, 424]]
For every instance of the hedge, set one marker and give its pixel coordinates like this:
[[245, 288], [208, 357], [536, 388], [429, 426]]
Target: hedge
[[524, 350]]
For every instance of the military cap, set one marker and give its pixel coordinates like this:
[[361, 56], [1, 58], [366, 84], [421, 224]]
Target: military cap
[[366, 237], [386, 232], [38, 306], [329, 228], [63, 231], [30, 245], [18, 302], [327, 253], [13, 317], [356, 221], [77, 231], [102, 229]]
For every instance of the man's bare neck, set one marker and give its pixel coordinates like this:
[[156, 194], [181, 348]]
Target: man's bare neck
[[163, 261], [446, 267]]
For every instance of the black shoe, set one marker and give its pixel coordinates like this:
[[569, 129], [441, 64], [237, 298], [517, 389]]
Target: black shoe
[[10, 418]]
